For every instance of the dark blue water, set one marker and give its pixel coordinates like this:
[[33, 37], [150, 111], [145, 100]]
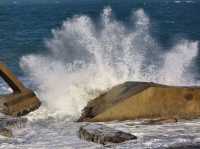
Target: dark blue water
[[25, 25]]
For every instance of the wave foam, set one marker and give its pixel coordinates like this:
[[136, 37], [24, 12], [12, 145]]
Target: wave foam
[[86, 59]]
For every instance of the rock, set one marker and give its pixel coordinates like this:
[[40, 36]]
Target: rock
[[159, 121], [6, 123], [6, 132], [21, 101], [185, 147], [102, 134], [10, 122], [133, 100]]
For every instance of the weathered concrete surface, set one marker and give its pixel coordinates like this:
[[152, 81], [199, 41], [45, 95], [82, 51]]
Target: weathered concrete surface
[[102, 134], [21, 101], [133, 100]]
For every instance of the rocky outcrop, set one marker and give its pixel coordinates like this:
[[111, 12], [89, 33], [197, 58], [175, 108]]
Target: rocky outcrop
[[21, 101], [102, 134], [133, 100]]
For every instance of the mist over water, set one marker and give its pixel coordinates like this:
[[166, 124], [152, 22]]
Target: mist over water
[[87, 58]]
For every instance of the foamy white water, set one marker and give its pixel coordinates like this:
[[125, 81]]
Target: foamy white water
[[50, 134], [86, 59]]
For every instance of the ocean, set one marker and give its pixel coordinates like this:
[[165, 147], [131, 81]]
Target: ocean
[[69, 52]]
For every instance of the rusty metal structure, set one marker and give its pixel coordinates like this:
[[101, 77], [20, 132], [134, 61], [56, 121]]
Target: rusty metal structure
[[21, 101]]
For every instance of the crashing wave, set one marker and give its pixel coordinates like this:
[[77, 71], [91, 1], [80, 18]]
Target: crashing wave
[[86, 58]]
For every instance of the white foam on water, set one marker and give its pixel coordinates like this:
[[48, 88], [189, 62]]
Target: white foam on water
[[50, 134], [86, 58]]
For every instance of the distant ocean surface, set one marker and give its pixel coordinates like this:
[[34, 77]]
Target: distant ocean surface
[[24, 26], [70, 51]]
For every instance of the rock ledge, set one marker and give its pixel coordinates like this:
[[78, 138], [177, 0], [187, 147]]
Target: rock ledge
[[102, 134]]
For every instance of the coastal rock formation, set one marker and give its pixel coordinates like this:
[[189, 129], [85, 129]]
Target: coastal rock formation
[[133, 100], [21, 101], [102, 134]]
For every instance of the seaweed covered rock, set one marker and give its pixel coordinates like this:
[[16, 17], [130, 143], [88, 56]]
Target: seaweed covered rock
[[133, 100], [102, 134]]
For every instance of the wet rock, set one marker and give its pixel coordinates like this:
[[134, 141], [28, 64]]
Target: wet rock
[[135, 100], [185, 147], [159, 121], [6, 123], [10, 122], [102, 134], [21, 101], [6, 132], [156, 121]]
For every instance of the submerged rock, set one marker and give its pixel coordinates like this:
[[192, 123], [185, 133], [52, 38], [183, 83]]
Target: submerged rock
[[185, 147], [6, 123], [21, 101], [6, 132], [102, 134], [10, 122], [133, 100], [159, 121]]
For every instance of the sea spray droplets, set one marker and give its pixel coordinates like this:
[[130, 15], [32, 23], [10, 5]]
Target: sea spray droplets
[[84, 61], [142, 20], [175, 70], [62, 95]]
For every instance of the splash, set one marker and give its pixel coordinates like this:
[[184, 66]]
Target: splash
[[177, 62], [86, 59]]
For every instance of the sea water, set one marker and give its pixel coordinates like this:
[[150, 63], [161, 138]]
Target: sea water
[[69, 52]]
